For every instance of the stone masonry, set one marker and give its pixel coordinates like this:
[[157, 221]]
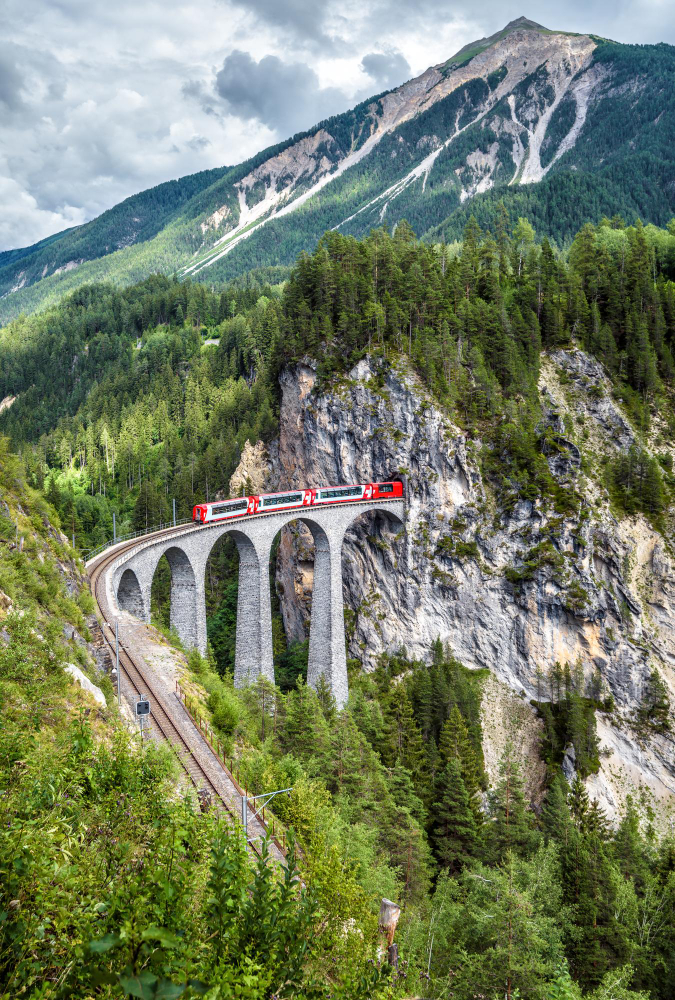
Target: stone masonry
[[129, 581]]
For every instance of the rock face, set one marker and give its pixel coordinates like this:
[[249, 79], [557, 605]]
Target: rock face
[[600, 595], [86, 684], [252, 475]]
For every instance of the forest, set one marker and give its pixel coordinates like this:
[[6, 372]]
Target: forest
[[113, 885], [151, 395]]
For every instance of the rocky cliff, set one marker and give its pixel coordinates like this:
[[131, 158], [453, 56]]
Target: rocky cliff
[[512, 592]]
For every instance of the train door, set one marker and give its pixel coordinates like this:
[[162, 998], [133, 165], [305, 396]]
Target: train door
[[252, 505]]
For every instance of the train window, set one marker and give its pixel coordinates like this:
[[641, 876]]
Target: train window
[[275, 501], [217, 508], [349, 491], [385, 487]]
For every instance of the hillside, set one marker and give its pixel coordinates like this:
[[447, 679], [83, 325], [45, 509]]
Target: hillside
[[561, 127], [111, 882]]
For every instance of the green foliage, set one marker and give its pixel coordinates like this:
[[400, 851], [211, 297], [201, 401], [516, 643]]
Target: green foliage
[[654, 710], [569, 719], [635, 483]]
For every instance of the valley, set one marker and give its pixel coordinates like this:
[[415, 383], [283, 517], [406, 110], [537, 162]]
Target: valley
[[464, 693]]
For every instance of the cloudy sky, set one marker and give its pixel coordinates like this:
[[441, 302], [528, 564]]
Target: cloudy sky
[[103, 98]]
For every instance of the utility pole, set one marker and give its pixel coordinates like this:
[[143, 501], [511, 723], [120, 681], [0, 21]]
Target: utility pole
[[114, 528], [174, 512], [267, 797]]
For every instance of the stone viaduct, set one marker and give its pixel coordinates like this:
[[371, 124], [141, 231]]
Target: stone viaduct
[[129, 580]]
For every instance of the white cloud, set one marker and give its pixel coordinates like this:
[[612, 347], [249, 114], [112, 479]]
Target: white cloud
[[100, 100], [21, 213]]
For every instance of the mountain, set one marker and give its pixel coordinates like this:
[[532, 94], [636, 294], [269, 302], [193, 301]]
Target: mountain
[[561, 127]]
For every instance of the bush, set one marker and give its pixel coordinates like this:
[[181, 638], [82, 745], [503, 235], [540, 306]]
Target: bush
[[196, 662], [225, 712]]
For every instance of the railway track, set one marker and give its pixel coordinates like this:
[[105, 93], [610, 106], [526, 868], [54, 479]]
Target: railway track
[[171, 721]]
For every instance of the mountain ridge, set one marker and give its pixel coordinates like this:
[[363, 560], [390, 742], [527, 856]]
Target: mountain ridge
[[527, 104]]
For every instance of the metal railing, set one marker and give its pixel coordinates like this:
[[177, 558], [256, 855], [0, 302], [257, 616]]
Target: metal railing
[[274, 828], [91, 553]]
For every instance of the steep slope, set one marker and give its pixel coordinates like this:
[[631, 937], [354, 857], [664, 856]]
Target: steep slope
[[514, 593], [135, 220], [567, 126]]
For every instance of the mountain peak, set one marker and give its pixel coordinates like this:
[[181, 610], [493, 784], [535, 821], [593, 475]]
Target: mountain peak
[[523, 22], [472, 49]]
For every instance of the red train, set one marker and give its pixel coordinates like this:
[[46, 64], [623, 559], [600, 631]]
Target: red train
[[269, 503]]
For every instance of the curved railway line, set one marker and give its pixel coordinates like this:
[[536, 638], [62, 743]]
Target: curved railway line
[[171, 720]]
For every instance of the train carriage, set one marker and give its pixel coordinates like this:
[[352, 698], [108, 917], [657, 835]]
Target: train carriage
[[271, 503]]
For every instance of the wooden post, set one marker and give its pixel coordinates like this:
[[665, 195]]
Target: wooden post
[[389, 914]]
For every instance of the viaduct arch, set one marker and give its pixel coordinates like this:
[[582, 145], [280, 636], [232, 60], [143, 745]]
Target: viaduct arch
[[129, 581]]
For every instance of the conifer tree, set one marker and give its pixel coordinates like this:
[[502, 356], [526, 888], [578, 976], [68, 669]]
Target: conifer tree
[[556, 820], [511, 827], [404, 740], [305, 732], [453, 827], [455, 743]]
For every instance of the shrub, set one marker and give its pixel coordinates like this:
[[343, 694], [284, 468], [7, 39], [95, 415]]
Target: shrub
[[225, 712]]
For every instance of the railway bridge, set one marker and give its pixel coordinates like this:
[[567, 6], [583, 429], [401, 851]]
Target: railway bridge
[[128, 581]]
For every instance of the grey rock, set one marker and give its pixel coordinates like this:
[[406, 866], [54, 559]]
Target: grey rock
[[85, 683], [569, 763]]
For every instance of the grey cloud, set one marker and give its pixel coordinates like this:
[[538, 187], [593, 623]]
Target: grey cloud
[[286, 97], [198, 142], [194, 89], [11, 83], [304, 18], [387, 69]]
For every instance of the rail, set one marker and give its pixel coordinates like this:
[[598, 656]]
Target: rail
[[92, 553], [191, 706], [168, 724]]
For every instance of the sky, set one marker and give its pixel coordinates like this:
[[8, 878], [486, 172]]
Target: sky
[[100, 99]]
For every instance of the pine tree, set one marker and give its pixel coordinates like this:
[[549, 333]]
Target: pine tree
[[404, 740], [305, 732], [453, 827], [556, 820], [455, 743], [511, 828]]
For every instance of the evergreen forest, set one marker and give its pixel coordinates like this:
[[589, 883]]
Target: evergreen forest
[[112, 883]]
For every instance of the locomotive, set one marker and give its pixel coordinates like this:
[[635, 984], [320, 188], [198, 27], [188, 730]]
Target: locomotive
[[271, 503]]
